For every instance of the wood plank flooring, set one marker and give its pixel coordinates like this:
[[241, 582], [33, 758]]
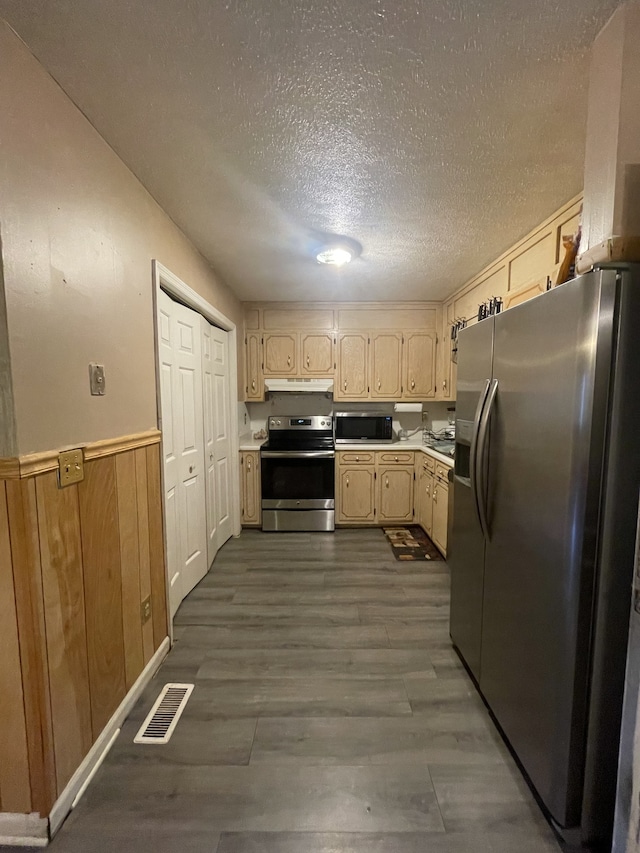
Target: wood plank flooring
[[330, 715]]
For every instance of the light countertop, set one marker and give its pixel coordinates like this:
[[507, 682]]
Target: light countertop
[[247, 442]]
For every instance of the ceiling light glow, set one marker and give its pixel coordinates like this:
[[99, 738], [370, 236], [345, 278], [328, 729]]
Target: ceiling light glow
[[337, 256]]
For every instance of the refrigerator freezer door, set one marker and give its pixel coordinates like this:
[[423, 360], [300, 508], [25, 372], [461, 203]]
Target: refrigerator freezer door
[[466, 551], [552, 360]]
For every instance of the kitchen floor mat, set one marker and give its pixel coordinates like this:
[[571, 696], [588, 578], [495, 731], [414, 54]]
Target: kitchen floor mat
[[411, 543]]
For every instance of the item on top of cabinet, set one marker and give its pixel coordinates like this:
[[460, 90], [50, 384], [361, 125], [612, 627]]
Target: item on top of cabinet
[[571, 246], [260, 434]]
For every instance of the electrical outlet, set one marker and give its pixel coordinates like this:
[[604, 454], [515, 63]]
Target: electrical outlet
[[70, 467], [145, 609]]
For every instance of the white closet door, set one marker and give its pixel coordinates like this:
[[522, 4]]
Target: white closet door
[[217, 427], [182, 424]]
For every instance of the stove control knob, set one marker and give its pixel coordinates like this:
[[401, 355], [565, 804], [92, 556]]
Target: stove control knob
[[278, 423]]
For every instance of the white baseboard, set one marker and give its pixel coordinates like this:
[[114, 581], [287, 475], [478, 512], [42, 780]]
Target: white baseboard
[[23, 830], [98, 752]]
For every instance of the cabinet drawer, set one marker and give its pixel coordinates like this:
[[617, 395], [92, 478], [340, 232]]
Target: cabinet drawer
[[428, 463], [346, 457], [442, 472], [399, 458]]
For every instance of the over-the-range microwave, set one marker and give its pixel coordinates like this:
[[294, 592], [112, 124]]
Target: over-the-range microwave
[[361, 427]]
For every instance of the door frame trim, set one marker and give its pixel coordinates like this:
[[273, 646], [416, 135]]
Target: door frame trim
[[164, 279]]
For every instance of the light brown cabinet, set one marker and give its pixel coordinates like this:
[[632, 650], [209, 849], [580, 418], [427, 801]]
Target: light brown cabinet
[[395, 494], [386, 365], [374, 488], [424, 493], [419, 363], [250, 487], [280, 350], [254, 385], [352, 380], [440, 512], [431, 499], [356, 494], [316, 354]]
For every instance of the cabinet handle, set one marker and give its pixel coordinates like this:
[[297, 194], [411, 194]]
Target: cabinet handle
[[345, 384], [347, 481], [191, 469], [308, 361], [253, 384], [386, 482], [428, 492], [249, 464], [211, 457], [396, 458], [289, 361], [435, 495], [379, 384], [444, 384], [413, 384], [357, 458]]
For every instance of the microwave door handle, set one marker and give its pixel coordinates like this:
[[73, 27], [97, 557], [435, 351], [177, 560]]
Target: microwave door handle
[[473, 453]]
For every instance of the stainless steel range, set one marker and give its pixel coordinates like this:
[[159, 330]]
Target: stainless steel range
[[298, 474]]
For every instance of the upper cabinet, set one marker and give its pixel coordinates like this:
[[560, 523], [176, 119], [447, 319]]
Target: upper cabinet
[[352, 377], [365, 348], [316, 354], [419, 365], [280, 354]]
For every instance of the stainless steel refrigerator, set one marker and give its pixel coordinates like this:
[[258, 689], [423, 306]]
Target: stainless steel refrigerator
[[546, 484]]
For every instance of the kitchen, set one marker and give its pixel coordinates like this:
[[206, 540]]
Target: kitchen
[[329, 706]]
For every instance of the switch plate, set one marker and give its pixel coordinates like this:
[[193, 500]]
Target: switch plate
[[70, 467], [97, 379], [145, 609]]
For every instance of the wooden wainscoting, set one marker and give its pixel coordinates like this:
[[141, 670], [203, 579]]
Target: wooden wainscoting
[[75, 566]]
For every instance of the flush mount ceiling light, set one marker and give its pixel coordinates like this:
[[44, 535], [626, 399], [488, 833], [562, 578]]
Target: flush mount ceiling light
[[337, 251], [336, 256]]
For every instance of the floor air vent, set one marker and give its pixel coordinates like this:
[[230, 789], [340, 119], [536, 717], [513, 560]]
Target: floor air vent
[[164, 716]]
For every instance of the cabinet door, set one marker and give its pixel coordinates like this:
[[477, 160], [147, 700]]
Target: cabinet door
[[445, 383], [353, 381], [426, 500], [317, 354], [386, 365], [250, 474], [440, 511], [356, 492], [253, 367], [395, 494], [419, 365], [280, 354]]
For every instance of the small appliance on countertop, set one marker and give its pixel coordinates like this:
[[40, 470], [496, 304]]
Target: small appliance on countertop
[[363, 427]]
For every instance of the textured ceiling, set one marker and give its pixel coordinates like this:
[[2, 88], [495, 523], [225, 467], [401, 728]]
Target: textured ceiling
[[434, 133]]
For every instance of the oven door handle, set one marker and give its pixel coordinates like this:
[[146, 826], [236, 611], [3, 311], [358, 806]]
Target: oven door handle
[[298, 454]]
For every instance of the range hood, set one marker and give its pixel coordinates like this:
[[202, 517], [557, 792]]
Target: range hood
[[305, 386]]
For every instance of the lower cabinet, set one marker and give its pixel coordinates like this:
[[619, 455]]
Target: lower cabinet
[[250, 487], [440, 511], [374, 488], [356, 494], [395, 494], [432, 499]]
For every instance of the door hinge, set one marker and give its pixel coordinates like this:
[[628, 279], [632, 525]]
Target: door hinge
[[414, 475], [245, 341], [403, 339], [375, 475], [437, 339], [368, 340], [334, 365], [401, 389]]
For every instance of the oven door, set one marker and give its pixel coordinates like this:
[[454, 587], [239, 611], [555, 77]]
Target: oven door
[[298, 480]]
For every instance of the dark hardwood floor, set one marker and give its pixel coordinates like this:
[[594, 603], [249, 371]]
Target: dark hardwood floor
[[330, 715]]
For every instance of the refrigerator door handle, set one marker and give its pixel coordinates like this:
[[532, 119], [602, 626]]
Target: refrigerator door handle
[[473, 452], [481, 454]]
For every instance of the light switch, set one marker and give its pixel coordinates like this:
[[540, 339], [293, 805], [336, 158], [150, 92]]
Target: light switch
[[97, 379], [70, 467]]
